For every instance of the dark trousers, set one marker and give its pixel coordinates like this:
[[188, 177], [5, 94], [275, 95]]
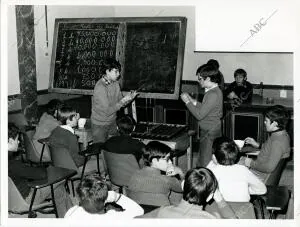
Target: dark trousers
[[207, 138]]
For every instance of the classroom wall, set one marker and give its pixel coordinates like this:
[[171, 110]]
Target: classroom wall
[[270, 68]]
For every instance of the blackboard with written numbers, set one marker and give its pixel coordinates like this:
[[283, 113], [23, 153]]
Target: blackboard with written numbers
[[150, 51]]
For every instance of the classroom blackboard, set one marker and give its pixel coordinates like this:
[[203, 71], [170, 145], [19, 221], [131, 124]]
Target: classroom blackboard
[[150, 51]]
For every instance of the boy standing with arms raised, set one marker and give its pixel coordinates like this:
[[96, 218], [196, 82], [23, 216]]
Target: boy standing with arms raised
[[107, 100]]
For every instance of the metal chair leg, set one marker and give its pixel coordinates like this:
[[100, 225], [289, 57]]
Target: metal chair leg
[[41, 158], [73, 190], [98, 165], [30, 213], [82, 173], [53, 201]]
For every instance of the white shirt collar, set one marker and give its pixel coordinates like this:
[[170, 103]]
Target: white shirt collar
[[69, 128], [207, 89]]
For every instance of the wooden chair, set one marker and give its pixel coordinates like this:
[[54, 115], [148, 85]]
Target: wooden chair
[[120, 168], [18, 205]]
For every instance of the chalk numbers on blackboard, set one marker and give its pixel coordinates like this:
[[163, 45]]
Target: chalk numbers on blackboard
[[80, 54]]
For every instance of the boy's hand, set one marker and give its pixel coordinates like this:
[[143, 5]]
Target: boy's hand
[[185, 97], [252, 142]]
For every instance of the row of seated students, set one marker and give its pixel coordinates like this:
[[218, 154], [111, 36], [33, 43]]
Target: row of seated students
[[154, 159]]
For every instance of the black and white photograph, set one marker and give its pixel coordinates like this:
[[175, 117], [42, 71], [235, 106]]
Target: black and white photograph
[[139, 113]]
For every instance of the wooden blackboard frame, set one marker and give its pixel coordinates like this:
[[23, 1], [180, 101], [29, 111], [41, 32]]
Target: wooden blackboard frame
[[120, 51]]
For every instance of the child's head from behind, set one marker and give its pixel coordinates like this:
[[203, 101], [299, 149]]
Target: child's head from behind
[[67, 116], [199, 185], [13, 137], [126, 125], [276, 118], [225, 151], [53, 106], [214, 63], [208, 74], [240, 75], [111, 69], [92, 192], [157, 155]]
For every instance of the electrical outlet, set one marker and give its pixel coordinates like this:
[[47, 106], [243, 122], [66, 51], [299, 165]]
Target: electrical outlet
[[283, 94]]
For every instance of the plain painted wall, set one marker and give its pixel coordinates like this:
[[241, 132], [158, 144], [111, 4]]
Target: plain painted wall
[[269, 68]]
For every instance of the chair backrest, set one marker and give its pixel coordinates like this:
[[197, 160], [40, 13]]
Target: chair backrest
[[31, 152], [61, 157], [15, 200], [274, 177], [120, 167]]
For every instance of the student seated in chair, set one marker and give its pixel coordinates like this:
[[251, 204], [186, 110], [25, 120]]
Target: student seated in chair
[[153, 184], [97, 202], [47, 123], [124, 143], [199, 187], [21, 174], [231, 175], [277, 145], [63, 136]]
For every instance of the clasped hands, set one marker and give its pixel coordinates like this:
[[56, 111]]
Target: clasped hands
[[186, 98]]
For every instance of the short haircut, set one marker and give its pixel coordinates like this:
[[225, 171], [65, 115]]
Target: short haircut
[[279, 114], [53, 105], [225, 151], [214, 63], [126, 124], [92, 192], [13, 130], [65, 113], [109, 64], [210, 71], [155, 149], [240, 72], [199, 183]]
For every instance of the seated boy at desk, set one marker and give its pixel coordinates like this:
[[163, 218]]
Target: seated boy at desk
[[64, 136], [277, 145], [124, 143], [21, 174], [240, 90]]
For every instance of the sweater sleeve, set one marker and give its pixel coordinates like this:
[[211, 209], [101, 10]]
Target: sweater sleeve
[[268, 164], [225, 210], [102, 102], [131, 208], [200, 111], [175, 185], [256, 186]]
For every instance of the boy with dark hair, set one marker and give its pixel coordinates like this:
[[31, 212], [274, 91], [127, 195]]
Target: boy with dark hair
[[151, 185], [216, 64], [240, 90], [97, 202], [22, 174], [277, 145], [200, 186], [64, 136], [47, 123], [232, 175], [209, 112], [107, 100], [124, 143]]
